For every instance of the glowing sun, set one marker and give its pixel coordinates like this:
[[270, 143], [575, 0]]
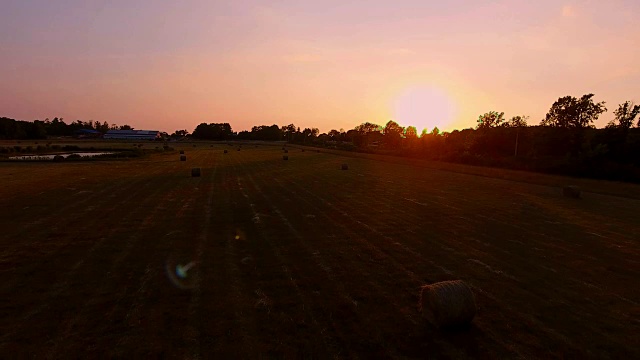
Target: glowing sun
[[424, 106]]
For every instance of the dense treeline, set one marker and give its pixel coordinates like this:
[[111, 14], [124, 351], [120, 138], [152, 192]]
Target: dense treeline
[[41, 129], [564, 142]]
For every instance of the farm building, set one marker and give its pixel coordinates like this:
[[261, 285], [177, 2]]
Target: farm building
[[132, 134]]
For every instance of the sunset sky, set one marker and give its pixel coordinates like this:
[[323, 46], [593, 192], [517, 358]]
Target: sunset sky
[[167, 65]]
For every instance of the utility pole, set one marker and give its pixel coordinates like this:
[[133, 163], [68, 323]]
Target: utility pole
[[517, 135]]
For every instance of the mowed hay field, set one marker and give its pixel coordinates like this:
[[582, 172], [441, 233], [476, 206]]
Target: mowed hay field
[[299, 258]]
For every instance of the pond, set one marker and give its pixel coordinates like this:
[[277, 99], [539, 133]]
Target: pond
[[51, 156]]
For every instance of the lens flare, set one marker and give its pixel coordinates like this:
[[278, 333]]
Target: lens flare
[[180, 273]]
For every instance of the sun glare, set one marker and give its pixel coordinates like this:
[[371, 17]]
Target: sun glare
[[424, 107]]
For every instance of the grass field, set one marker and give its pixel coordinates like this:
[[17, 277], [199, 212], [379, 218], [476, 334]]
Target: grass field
[[300, 259]]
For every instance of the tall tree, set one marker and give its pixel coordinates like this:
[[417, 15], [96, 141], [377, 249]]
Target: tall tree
[[411, 132], [516, 121], [368, 127], [573, 113], [625, 115], [490, 119], [393, 134]]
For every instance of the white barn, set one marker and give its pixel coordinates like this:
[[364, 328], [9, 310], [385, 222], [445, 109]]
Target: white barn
[[132, 134]]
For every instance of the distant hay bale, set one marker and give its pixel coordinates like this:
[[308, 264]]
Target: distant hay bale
[[183, 157], [225, 151], [286, 151], [194, 145], [302, 150], [345, 167], [181, 152], [238, 149], [285, 157], [572, 191], [58, 158], [317, 151], [210, 145], [448, 303], [283, 148], [195, 172]]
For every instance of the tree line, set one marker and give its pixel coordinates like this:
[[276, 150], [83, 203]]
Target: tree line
[[565, 141], [41, 129]]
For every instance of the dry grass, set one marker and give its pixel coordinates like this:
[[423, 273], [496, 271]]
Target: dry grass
[[340, 257], [604, 187]]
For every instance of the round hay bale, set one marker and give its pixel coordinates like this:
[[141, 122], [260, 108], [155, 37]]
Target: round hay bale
[[181, 152], [183, 157], [238, 149], [317, 151], [58, 158], [448, 303], [285, 157], [572, 191], [345, 167], [286, 151], [195, 172], [302, 150], [225, 151]]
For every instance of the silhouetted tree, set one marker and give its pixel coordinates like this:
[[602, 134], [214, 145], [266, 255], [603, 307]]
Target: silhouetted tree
[[178, 134], [334, 135], [490, 119], [213, 131], [516, 121], [570, 112], [411, 133], [393, 134], [625, 115]]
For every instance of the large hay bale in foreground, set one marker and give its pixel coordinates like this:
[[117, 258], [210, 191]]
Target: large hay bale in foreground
[[572, 191], [285, 157], [448, 303], [183, 157], [345, 167], [181, 152], [195, 172]]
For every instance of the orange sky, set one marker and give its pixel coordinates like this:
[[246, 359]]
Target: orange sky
[[331, 64]]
